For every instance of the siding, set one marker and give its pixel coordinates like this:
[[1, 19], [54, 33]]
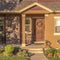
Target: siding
[[49, 30]]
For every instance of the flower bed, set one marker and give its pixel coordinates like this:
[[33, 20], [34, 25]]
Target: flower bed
[[13, 53], [52, 54]]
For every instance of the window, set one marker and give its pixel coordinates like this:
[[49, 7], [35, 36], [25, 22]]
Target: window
[[57, 26], [27, 21], [27, 25], [2, 30], [1, 24]]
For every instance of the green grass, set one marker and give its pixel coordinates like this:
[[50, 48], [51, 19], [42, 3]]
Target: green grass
[[54, 58], [13, 58]]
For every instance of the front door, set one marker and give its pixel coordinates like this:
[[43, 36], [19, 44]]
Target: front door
[[38, 29]]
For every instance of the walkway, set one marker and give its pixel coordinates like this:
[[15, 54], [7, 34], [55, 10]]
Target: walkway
[[38, 57]]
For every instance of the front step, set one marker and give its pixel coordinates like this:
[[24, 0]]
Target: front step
[[39, 42], [34, 50]]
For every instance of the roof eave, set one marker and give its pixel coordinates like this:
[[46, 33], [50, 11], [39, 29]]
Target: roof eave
[[37, 4]]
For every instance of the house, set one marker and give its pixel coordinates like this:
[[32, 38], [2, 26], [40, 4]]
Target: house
[[30, 21]]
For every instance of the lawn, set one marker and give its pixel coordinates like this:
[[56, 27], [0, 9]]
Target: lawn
[[13, 58], [54, 58]]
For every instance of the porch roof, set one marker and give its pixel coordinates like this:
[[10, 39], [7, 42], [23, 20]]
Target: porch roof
[[12, 7]]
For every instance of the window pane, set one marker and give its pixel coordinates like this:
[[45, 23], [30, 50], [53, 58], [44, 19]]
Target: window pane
[[27, 21], [1, 23], [27, 24], [57, 29], [2, 30], [57, 22], [27, 28]]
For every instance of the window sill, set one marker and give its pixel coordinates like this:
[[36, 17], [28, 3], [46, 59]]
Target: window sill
[[56, 33]]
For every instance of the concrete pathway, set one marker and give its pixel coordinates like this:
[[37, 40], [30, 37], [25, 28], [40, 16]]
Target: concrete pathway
[[38, 57]]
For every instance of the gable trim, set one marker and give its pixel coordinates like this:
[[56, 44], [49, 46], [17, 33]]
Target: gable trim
[[37, 4]]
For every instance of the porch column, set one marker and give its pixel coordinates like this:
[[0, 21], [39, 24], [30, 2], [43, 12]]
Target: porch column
[[46, 18], [23, 30]]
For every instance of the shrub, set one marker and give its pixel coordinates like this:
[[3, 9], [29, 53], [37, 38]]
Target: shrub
[[1, 50], [53, 51], [47, 51], [58, 50], [22, 53], [16, 50], [58, 53], [50, 52], [9, 50]]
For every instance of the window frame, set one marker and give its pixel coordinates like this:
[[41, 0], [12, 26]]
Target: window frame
[[28, 24], [55, 19]]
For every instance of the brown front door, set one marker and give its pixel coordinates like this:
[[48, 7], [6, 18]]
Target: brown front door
[[38, 29]]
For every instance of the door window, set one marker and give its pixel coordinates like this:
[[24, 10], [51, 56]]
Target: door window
[[28, 31]]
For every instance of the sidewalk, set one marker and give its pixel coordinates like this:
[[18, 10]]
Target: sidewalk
[[38, 57]]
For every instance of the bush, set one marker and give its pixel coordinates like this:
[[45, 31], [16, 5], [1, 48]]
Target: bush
[[47, 51], [1, 50], [58, 53], [58, 50], [22, 53], [50, 52], [53, 51], [8, 50], [16, 50]]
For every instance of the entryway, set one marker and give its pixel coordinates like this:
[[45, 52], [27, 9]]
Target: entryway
[[38, 29], [35, 29]]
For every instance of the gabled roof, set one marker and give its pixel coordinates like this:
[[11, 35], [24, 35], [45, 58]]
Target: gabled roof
[[12, 7], [55, 6], [35, 4]]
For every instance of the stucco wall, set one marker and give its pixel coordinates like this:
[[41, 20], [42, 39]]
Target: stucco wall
[[49, 30]]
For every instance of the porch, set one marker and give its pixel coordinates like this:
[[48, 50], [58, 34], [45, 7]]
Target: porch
[[25, 28], [33, 29]]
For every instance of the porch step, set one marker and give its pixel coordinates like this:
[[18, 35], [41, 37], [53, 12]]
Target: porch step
[[39, 42], [34, 50]]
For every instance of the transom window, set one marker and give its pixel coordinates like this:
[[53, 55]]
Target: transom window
[[57, 26]]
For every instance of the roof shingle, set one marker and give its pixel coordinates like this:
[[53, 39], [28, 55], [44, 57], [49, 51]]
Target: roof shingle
[[16, 7]]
